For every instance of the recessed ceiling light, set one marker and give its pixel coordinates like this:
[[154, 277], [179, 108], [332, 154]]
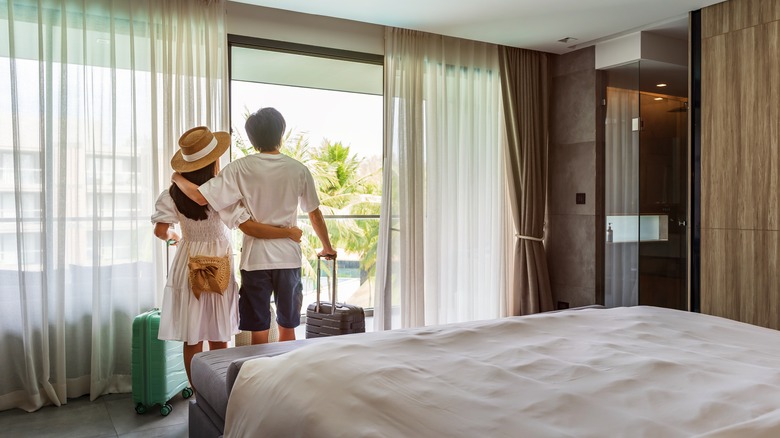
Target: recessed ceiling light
[[659, 98], [660, 85]]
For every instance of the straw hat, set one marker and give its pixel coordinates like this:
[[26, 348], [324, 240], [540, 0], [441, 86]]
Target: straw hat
[[199, 147]]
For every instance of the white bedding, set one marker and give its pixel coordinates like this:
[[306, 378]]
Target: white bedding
[[633, 372]]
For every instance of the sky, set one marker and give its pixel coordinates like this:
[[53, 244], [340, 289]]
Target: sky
[[352, 118]]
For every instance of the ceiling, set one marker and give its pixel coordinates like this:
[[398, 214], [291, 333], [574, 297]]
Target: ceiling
[[529, 24]]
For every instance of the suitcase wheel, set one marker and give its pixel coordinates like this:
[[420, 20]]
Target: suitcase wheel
[[140, 408], [186, 392], [166, 409]]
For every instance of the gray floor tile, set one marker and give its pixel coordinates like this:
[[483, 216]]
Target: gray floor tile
[[106, 417], [125, 420], [78, 418], [110, 397], [175, 431]]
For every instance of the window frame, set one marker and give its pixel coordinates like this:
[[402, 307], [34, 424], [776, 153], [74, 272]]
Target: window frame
[[305, 50]]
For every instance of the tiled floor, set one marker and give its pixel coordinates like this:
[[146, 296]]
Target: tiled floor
[[109, 416]]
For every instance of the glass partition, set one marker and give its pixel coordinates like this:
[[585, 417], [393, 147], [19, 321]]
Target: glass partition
[[645, 198], [663, 177], [621, 197]]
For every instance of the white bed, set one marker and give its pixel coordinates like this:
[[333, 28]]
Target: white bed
[[635, 372]]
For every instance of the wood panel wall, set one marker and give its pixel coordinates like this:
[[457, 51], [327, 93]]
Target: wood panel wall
[[740, 161]]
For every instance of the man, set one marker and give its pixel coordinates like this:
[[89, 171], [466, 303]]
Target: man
[[271, 186]]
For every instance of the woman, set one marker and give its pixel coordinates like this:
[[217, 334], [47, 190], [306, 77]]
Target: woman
[[187, 315]]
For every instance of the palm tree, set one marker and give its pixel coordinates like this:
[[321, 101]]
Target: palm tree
[[349, 193]]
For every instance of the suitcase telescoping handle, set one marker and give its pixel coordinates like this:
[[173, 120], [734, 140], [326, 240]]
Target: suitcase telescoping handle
[[333, 305]]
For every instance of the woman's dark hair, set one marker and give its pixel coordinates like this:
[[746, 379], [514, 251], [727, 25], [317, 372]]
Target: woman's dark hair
[[187, 206], [265, 128]]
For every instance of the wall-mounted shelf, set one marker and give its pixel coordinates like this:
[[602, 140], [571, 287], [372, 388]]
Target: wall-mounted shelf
[[639, 228]]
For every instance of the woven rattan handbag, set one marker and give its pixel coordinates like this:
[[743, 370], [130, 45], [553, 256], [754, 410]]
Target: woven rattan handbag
[[209, 273]]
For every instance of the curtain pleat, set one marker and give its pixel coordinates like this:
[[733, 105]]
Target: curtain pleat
[[441, 255], [93, 96], [524, 79]]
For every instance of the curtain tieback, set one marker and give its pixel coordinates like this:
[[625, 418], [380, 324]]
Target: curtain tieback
[[536, 239]]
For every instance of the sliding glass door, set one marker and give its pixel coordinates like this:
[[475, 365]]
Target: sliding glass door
[[333, 105]]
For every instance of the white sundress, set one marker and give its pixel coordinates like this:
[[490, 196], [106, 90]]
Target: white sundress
[[183, 317]]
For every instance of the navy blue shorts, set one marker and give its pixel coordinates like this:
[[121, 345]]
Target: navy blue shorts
[[254, 301]]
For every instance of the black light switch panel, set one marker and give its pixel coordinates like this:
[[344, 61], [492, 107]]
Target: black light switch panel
[[580, 198]]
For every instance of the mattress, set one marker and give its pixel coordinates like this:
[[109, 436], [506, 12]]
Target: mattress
[[213, 374], [638, 371]]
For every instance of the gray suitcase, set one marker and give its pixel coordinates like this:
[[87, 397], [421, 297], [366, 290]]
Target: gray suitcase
[[324, 318]]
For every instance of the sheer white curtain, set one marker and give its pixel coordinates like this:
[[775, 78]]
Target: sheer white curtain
[[93, 96], [444, 219], [622, 197]]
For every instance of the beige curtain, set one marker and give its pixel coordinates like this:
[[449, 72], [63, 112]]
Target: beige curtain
[[524, 79], [441, 256], [93, 96]]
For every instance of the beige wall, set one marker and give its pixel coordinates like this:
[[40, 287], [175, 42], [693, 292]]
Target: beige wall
[[740, 161]]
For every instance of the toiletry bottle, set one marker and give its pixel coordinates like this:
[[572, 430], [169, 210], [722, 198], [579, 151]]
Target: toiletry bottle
[[609, 232]]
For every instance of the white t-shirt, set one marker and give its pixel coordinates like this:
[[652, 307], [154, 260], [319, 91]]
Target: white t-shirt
[[270, 187]]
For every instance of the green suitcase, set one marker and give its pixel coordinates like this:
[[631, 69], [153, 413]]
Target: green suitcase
[[157, 366]]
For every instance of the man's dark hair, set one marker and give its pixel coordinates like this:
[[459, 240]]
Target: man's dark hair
[[187, 206], [265, 128]]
